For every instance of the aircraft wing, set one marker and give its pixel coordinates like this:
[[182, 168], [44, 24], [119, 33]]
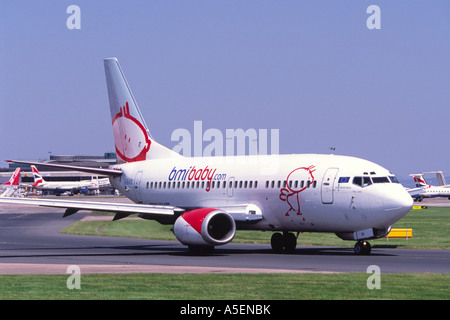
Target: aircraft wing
[[122, 210], [415, 192], [98, 171]]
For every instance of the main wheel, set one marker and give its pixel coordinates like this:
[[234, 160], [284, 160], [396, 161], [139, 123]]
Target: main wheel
[[277, 242], [285, 242], [290, 242]]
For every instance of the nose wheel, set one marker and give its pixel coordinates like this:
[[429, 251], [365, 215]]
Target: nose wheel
[[362, 248]]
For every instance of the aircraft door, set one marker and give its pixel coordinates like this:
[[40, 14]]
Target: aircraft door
[[136, 184], [328, 185], [230, 186]]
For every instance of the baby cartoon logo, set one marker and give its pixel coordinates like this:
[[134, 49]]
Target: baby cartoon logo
[[295, 183], [131, 138]]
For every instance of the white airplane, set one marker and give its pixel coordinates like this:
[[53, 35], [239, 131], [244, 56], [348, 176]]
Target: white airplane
[[440, 179], [11, 187], [424, 190], [60, 187], [208, 198]]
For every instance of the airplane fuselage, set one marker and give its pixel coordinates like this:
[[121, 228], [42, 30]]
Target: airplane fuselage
[[310, 192]]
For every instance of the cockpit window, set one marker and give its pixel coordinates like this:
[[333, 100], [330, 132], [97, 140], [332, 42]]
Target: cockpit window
[[394, 179], [357, 181], [367, 181], [380, 180]]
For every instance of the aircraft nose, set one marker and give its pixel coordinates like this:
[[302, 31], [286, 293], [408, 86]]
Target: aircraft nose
[[398, 204]]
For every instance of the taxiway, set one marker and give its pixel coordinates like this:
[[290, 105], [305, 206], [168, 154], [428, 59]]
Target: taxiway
[[30, 243]]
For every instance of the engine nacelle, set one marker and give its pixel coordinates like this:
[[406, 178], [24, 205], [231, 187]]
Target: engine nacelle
[[205, 226]]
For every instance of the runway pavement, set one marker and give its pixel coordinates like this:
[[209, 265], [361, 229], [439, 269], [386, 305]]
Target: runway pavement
[[30, 243]]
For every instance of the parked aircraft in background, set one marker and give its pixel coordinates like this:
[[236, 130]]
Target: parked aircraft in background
[[440, 179], [424, 190], [208, 198], [11, 187], [60, 187]]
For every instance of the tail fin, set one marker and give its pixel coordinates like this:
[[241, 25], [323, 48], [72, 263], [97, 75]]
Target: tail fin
[[440, 178], [131, 136], [37, 177], [14, 180], [419, 180]]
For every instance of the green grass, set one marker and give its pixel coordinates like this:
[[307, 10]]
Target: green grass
[[430, 230], [226, 286]]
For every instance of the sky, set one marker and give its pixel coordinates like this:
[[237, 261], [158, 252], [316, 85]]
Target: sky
[[311, 69]]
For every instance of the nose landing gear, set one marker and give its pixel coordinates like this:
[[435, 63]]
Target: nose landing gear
[[363, 248]]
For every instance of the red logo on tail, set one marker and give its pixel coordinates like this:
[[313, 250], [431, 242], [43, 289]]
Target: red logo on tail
[[131, 139]]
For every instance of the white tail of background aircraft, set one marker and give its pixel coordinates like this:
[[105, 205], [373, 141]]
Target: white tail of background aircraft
[[208, 198]]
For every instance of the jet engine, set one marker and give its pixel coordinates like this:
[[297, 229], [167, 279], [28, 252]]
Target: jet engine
[[204, 227]]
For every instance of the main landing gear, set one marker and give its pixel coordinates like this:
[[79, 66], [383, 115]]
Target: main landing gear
[[283, 243], [362, 248]]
